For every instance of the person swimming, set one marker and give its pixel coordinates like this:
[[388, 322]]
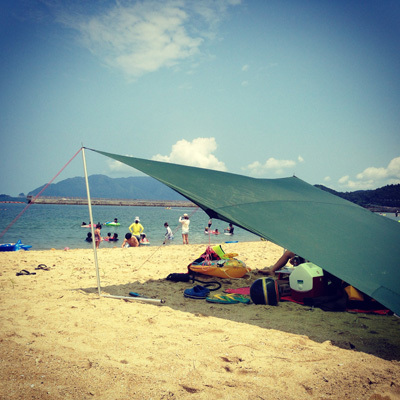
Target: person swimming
[[114, 238]]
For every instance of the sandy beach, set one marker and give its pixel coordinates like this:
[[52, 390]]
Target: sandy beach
[[60, 340]]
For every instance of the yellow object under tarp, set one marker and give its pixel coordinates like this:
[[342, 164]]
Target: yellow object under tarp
[[221, 253], [218, 250], [353, 293], [231, 268]]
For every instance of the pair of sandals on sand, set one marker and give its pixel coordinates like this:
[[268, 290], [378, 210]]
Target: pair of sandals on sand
[[202, 292], [26, 272]]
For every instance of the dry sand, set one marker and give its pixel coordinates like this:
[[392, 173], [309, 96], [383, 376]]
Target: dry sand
[[60, 340]]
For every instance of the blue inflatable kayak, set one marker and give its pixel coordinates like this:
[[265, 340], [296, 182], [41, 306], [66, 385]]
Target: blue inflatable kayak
[[14, 246]]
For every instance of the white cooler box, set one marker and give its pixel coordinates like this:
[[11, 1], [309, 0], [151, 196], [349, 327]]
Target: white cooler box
[[306, 280]]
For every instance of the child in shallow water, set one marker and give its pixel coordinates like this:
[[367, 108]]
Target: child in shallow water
[[97, 235]]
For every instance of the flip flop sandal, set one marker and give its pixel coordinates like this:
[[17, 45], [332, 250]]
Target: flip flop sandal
[[221, 299], [238, 297], [43, 266], [25, 272], [197, 292]]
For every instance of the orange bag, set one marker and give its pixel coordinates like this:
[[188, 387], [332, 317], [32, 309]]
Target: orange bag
[[353, 293]]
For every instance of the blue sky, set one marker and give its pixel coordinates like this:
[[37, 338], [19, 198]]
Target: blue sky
[[261, 88]]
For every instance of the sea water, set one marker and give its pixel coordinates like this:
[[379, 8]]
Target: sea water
[[47, 226]]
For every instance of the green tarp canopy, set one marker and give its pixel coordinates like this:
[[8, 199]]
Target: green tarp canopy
[[346, 240]]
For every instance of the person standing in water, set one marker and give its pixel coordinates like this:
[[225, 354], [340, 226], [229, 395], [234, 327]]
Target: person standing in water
[[168, 235], [185, 221], [97, 235], [136, 228]]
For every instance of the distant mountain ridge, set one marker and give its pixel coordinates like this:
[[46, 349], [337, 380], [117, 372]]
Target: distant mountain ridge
[[101, 186], [386, 196], [147, 188]]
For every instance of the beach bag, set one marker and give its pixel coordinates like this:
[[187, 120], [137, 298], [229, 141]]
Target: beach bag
[[209, 255], [265, 291]]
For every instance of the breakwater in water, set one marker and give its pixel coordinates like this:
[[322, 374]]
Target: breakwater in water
[[110, 202], [148, 203]]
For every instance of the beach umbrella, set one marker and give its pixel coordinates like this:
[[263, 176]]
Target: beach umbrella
[[346, 240]]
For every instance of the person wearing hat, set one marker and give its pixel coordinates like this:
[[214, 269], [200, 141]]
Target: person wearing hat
[[136, 228], [185, 228]]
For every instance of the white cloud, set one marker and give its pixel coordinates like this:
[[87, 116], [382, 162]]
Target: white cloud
[[372, 173], [327, 179], [197, 153], [271, 165], [245, 67], [141, 37], [373, 177], [118, 168]]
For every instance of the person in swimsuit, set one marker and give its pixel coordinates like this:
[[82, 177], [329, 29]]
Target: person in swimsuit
[[97, 235]]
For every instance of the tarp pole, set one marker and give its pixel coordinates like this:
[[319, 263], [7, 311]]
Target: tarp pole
[[91, 222], [142, 299]]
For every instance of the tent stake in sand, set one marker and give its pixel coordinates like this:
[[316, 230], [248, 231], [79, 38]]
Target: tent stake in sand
[[144, 299]]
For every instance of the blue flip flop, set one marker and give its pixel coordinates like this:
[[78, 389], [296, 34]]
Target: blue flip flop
[[197, 292]]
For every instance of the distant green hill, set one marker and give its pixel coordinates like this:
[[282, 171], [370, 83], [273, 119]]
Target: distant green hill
[[101, 186], [387, 196]]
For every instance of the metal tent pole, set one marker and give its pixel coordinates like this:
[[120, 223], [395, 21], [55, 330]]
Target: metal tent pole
[[91, 222], [142, 299]]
